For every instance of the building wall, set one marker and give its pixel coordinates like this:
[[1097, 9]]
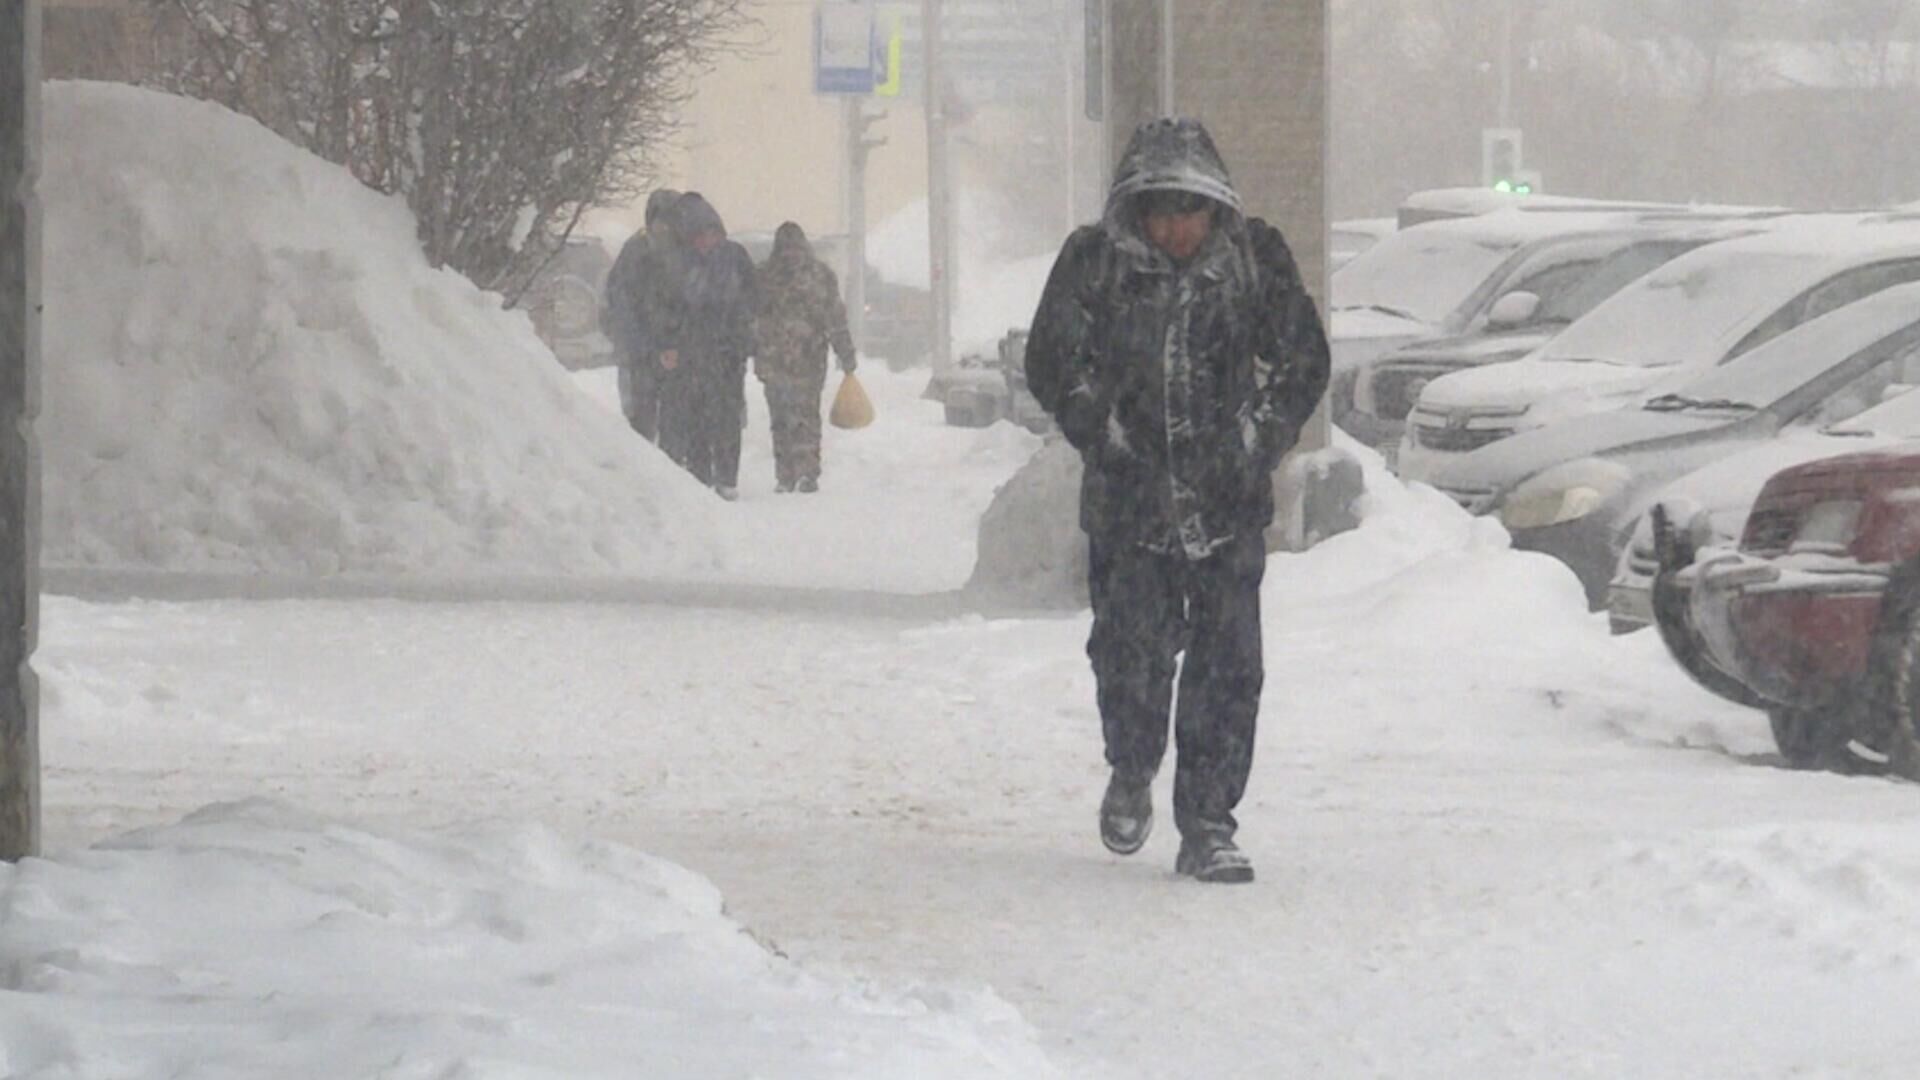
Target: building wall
[[765, 148]]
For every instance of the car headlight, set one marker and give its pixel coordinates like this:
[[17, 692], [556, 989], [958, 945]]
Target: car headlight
[[1563, 493]]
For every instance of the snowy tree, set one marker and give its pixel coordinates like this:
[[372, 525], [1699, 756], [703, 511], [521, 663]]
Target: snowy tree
[[499, 121]]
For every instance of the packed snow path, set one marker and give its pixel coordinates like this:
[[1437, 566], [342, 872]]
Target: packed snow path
[[1490, 843]]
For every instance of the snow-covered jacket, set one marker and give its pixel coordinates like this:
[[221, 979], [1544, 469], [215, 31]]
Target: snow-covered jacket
[[1182, 386]]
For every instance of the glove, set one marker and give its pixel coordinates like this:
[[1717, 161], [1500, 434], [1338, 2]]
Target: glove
[[848, 363], [1267, 437]]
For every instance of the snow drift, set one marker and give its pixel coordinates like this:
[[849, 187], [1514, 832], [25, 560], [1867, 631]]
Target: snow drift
[[250, 366], [252, 939]]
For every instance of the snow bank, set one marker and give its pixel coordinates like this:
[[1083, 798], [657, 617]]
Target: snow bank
[[250, 366], [253, 940]]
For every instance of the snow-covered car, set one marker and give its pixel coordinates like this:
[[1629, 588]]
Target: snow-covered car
[[1717, 500], [1696, 312], [565, 303], [1348, 239], [1574, 490], [1815, 616], [984, 389], [1449, 204], [1427, 282], [1543, 288]]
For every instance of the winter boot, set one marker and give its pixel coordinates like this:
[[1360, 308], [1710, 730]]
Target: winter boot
[[808, 485], [1126, 813], [1213, 858], [727, 492]]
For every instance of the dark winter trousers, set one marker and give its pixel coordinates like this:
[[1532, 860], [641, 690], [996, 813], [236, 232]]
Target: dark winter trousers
[[1147, 609], [701, 419], [794, 405], [640, 397]]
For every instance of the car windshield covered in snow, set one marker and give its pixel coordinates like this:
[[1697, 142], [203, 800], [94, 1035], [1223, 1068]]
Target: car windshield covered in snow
[[1771, 373], [1579, 294], [1687, 308], [1423, 273], [1897, 418]]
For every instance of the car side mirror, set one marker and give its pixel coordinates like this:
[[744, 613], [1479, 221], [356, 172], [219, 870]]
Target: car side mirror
[[1514, 309]]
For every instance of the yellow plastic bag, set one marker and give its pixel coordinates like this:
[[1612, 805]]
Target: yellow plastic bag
[[852, 409]]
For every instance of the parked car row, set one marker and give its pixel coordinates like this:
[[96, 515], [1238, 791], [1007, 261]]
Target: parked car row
[[1711, 418]]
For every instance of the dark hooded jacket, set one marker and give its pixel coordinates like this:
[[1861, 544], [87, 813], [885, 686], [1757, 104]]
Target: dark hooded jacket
[[705, 306], [800, 311], [1182, 386], [640, 257]]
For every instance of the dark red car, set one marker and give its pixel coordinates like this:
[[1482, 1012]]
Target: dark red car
[[1815, 618]]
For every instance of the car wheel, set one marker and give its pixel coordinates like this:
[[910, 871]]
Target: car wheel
[[1804, 737], [1893, 701]]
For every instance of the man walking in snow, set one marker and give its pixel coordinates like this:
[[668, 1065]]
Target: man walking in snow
[[800, 315], [642, 257], [1180, 354], [700, 320]]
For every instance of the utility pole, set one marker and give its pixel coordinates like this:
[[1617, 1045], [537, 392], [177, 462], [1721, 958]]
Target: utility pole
[[939, 193], [859, 148], [1505, 119], [19, 395]]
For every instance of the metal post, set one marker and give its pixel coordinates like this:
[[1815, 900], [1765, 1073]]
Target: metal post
[[1072, 49], [1167, 101], [1506, 64], [19, 400], [856, 268], [939, 193], [1109, 153]]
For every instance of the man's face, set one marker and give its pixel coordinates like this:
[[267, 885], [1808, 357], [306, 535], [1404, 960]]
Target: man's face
[[706, 240], [1180, 235]]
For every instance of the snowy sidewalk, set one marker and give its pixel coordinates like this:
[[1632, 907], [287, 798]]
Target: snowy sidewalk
[[1492, 841]]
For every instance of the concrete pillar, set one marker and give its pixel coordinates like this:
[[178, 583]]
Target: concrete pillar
[[19, 401], [1256, 73]]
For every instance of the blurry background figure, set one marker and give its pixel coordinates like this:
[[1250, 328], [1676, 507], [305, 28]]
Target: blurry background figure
[[800, 314], [701, 319], [643, 257]]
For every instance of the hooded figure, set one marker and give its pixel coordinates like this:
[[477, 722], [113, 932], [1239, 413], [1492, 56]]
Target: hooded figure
[[641, 259], [800, 316], [699, 318], [1180, 354]]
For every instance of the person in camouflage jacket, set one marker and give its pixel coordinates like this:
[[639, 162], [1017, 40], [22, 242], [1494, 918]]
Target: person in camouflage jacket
[[800, 316]]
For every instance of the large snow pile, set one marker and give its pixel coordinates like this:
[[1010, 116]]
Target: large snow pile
[[253, 940], [250, 366]]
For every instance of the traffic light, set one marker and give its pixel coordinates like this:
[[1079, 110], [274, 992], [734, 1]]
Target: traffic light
[[1502, 165]]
